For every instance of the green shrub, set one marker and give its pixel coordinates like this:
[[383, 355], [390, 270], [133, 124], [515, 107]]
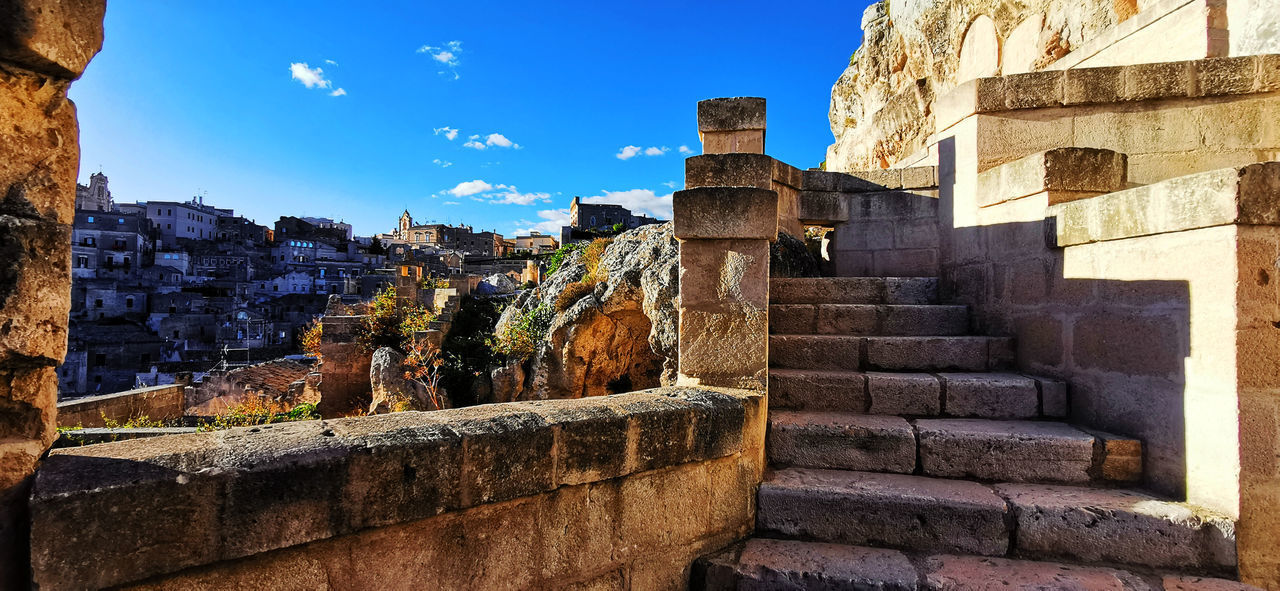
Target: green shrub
[[520, 338], [557, 258]]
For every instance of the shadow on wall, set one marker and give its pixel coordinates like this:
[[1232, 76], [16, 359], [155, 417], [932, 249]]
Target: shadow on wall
[[1123, 346]]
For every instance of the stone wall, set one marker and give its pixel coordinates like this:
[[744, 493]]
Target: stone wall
[[157, 403], [44, 45], [611, 492]]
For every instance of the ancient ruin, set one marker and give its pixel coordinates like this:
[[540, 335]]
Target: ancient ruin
[[1045, 353]]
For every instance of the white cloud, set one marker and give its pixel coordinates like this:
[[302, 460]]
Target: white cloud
[[484, 192], [339, 92], [447, 55], [448, 203], [552, 221], [308, 76], [468, 188], [685, 150], [474, 144], [448, 132], [331, 62], [497, 139], [628, 152], [638, 201], [671, 184], [441, 163]]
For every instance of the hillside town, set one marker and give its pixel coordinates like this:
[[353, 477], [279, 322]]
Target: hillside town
[[162, 288]]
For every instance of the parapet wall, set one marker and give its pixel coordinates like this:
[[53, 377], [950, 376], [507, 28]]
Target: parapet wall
[[157, 403], [619, 491]]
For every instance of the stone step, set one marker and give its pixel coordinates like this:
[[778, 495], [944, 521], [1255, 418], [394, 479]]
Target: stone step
[[853, 290], [981, 395], [830, 352], [868, 319], [843, 441], [980, 449], [763, 563], [1033, 521], [1024, 451], [888, 510]]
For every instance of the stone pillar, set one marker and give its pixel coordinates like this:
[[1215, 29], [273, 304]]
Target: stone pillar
[[44, 45], [344, 368], [731, 125], [724, 235]]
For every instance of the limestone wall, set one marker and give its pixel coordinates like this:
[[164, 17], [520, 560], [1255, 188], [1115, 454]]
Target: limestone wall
[[157, 403], [44, 45], [611, 492]]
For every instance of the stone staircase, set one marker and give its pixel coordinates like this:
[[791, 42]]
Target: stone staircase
[[904, 455]]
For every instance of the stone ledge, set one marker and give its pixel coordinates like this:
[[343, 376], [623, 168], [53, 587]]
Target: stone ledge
[[156, 402], [731, 114], [1067, 173], [739, 170], [1210, 77], [725, 213], [918, 177], [1244, 195], [186, 500]]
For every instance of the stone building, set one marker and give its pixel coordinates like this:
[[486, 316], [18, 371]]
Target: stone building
[[535, 243], [109, 244], [443, 237], [587, 220], [95, 196]]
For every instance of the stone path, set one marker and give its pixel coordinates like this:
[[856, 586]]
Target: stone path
[[905, 455]]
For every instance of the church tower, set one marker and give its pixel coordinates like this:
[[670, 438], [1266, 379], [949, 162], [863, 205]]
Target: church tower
[[406, 221], [95, 197]]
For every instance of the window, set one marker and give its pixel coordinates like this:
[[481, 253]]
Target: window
[[170, 212], [175, 334], [97, 303], [173, 309], [128, 302], [90, 219], [99, 359], [120, 221], [168, 226], [82, 262]]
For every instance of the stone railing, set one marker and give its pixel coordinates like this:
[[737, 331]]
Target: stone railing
[[509, 496], [157, 403]]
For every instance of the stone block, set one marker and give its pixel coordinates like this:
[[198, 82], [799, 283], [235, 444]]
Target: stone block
[[733, 494], [724, 346], [51, 37], [1005, 451], [507, 452], [1224, 75], [1120, 457], [910, 394], [718, 273], [1157, 81], [652, 519], [1118, 526], [659, 433], [1194, 583], [716, 213], [846, 319], [822, 352], [822, 207], [841, 441], [35, 271], [927, 353], [919, 177], [1132, 344], [750, 141], [933, 320], [895, 510], [402, 467], [1268, 79], [991, 396], [729, 170], [718, 422], [910, 290], [910, 262], [731, 114], [577, 527], [818, 390], [29, 396], [992, 574], [792, 318], [1084, 86], [789, 564], [916, 234], [854, 263], [846, 290], [1033, 90], [1053, 398], [591, 440]]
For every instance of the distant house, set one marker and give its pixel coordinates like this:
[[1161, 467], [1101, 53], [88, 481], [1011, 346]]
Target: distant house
[[587, 220]]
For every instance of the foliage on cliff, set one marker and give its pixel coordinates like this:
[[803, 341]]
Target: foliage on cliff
[[388, 322]]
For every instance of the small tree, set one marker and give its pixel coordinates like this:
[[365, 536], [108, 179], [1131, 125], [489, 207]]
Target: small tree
[[391, 324], [422, 365]]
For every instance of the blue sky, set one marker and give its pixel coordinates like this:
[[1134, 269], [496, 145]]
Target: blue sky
[[346, 110]]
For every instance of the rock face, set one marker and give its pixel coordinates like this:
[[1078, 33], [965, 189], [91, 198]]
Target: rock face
[[621, 336], [916, 50], [497, 283], [386, 378]]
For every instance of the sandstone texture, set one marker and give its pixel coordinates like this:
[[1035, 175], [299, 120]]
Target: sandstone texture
[[620, 336], [916, 50], [390, 386]]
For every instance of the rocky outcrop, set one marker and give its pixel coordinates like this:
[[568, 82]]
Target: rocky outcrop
[[916, 50], [619, 336], [392, 391], [497, 283]]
